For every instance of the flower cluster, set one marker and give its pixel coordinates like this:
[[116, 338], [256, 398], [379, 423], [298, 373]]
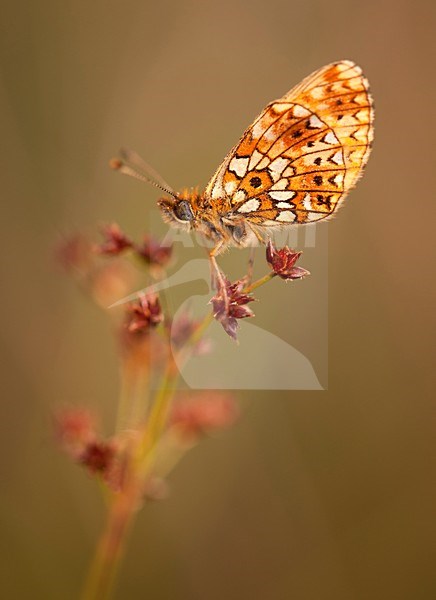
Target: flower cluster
[[78, 435], [74, 429], [115, 241], [203, 413], [98, 456], [106, 281], [191, 417], [283, 262], [230, 304], [154, 253], [144, 314]]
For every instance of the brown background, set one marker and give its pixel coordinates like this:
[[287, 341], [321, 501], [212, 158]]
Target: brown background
[[314, 495]]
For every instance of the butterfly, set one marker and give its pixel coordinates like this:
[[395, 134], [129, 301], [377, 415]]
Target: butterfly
[[294, 164]]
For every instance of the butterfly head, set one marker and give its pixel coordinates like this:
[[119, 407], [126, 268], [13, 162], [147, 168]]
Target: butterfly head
[[180, 210], [187, 211]]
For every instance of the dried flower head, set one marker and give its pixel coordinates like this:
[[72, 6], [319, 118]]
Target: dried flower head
[[283, 262], [144, 313], [74, 429], [195, 415], [229, 304], [98, 457], [153, 252], [115, 241]]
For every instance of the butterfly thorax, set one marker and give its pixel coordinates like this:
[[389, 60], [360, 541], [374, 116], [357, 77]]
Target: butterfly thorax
[[194, 211]]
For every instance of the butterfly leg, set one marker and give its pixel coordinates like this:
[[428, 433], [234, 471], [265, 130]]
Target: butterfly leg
[[218, 279]]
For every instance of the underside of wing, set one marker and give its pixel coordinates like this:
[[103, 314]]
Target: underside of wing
[[303, 153]]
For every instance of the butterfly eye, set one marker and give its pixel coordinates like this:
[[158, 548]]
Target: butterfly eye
[[183, 211]]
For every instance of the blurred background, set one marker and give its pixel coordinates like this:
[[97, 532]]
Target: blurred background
[[314, 494]]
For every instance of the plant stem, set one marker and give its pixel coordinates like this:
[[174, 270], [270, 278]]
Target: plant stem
[[124, 401], [259, 282], [104, 568], [159, 412]]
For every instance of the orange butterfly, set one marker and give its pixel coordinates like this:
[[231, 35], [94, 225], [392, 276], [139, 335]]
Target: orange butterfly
[[295, 164]]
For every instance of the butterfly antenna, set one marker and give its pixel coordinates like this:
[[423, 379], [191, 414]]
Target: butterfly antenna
[[131, 164], [134, 159]]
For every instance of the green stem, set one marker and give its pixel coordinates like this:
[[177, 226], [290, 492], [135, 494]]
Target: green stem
[[139, 398], [105, 566], [159, 412], [133, 397], [259, 282], [124, 402]]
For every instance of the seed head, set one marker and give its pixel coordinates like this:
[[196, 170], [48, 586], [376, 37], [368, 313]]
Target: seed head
[[283, 262]]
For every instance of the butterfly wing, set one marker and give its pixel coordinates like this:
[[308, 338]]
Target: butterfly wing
[[303, 153]]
